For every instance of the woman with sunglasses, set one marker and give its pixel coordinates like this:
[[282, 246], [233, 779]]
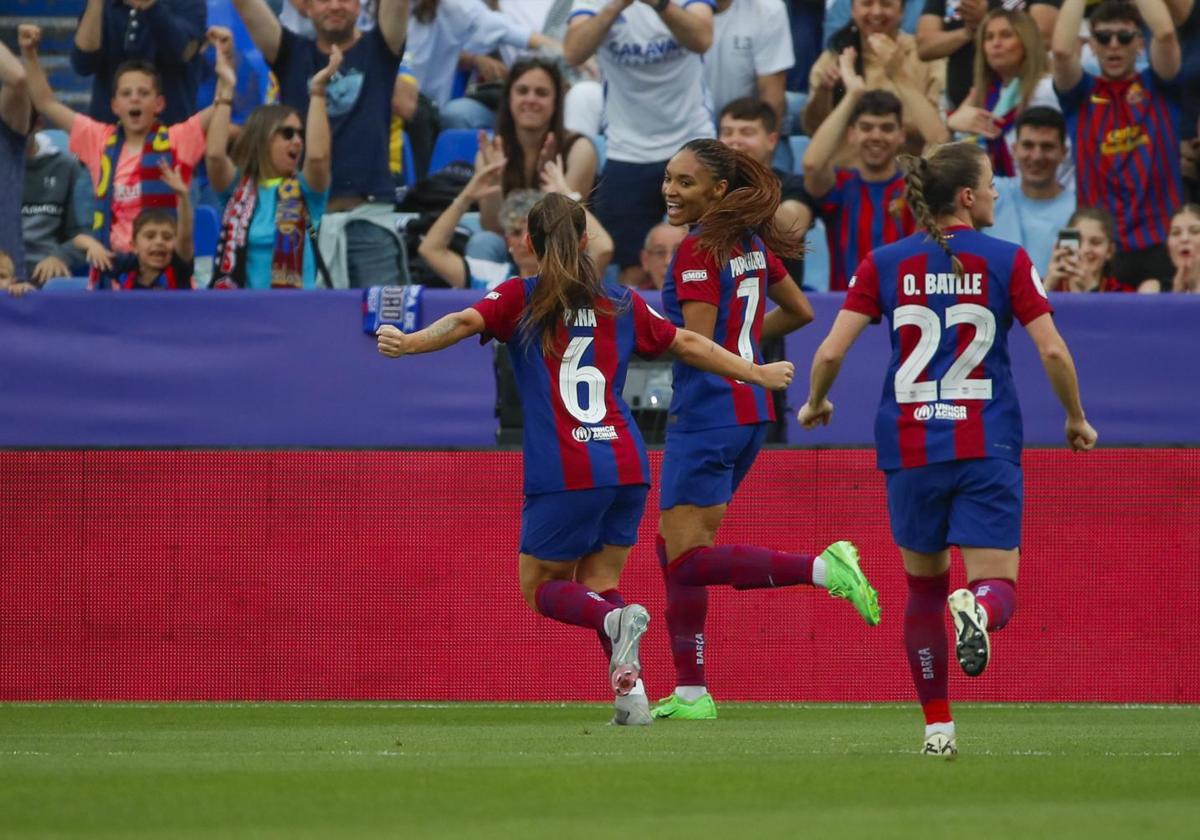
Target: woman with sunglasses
[[271, 200]]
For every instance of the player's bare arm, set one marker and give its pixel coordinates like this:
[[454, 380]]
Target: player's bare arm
[[442, 333]]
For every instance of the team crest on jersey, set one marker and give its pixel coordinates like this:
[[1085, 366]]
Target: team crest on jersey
[[585, 433], [1135, 94], [695, 275], [492, 296], [939, 411]]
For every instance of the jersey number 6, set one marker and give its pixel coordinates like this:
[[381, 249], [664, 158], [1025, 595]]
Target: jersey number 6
[[571, 374], [954, 385]]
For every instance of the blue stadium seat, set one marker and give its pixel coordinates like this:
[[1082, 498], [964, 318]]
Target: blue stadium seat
[[208, 225], [783, 157], [816, 258], [66, 284], [58, 137], [454, 144], [410, 165], [799, 145], [601, 144]]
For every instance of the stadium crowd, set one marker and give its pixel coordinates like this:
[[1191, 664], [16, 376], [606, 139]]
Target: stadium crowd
[[347, 143]]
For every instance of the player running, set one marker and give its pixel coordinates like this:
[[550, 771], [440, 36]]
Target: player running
[[948, 431], [717, 286], [570, 336]]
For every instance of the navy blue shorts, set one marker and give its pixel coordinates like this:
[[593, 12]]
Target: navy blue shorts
[[574, 523], [974, 503], [628, 203], [705, 468]]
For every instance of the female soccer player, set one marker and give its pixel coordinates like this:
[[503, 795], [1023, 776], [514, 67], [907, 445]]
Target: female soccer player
[[717, 286], [570, 337], [948, 432]]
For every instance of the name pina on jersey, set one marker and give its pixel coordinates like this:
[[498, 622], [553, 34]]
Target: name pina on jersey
[[755, 260], [580, 318], [944, 284]]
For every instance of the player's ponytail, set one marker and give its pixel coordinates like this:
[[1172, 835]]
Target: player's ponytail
[[932, 185], [567, 277], [750, 202]]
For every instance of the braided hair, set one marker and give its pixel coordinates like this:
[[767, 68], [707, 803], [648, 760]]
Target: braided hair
[[932, 185]]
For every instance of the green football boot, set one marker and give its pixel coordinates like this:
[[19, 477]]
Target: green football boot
[[846, 580], [676, 708]]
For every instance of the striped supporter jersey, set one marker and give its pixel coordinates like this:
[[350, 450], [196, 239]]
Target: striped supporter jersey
[[579, 433], [860, 215], [948, 394], [738, 290], [1125, 139]]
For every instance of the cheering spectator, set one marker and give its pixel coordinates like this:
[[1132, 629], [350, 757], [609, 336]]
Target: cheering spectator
[[837, 15], [123, 159], [1034, 206], [165, 33], [442, 28], [659, 249], [751, 53], [487, 270], [863, 207], [886, 59], [1010, 76], [357, 236], [1186, 16], [162, 245], [1183, 244], [749, 125], [529, 134], [1088, 267], [15, 116], [655, 103], [947, 29], [49, 220], [1123, 127], [271, 201]]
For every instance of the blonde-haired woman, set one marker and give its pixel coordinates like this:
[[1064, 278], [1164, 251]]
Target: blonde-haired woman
[[1010, 76], [271, 200]]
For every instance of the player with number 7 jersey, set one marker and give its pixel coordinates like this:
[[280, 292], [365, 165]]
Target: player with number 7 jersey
[[570, 337], [948, 429]]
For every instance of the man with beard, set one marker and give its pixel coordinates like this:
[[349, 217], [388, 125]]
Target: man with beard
[[863, 207], [1033, 206], [358, 239]]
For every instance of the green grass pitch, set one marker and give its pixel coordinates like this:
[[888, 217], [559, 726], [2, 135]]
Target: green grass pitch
[[537, 770]]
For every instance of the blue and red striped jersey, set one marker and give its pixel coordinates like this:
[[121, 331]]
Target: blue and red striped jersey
[[738, 289], [1125, 138], [948, 394], [579, 432], [860, 215]]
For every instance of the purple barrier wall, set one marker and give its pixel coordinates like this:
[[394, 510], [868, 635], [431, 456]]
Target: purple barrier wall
[[295, 369]]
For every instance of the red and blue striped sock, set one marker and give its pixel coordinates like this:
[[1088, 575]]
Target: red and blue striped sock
[[742, 567], [927, 643], [999, 599], [572, 603], [687, 608]]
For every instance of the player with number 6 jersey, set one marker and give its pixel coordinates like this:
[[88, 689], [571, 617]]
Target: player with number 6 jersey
[[718, 285], [948, 431], [570, 337]]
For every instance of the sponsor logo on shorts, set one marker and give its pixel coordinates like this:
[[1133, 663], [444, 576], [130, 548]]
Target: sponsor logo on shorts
[[585, 433], [939, 411], [697, 275]]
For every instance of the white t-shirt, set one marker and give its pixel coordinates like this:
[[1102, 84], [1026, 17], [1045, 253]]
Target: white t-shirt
[[655, 97], [751, 38], [459, 26]]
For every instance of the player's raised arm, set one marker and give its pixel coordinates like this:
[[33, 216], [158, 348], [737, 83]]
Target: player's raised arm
[[442, 333]]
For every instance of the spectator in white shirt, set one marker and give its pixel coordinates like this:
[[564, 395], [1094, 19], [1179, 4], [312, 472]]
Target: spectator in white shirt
[[751, 53]]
